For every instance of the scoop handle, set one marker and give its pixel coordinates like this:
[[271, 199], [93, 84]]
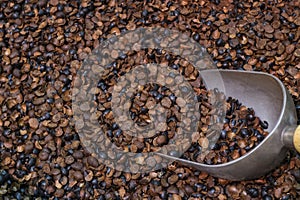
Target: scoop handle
[[291, 137], [296, 139]]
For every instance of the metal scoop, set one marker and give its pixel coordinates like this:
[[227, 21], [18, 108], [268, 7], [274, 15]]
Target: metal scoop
[[271, 101]]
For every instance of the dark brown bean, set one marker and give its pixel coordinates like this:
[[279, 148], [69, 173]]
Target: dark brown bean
[[93, 161]]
